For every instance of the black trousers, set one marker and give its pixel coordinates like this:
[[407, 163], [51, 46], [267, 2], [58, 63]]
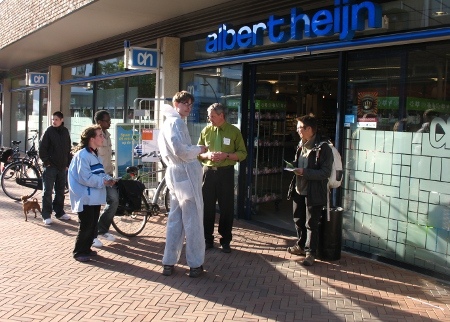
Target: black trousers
[[87, 230], [307, 220], [218, 185]]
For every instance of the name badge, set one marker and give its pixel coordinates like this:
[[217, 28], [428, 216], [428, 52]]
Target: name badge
[[226, 141]]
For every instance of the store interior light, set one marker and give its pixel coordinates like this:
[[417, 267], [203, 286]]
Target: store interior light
[[441, 11]]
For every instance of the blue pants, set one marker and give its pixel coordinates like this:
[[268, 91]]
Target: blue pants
[[112, 202], [53, 178]]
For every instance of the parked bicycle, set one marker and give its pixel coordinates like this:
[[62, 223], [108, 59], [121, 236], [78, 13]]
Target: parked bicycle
[[23, 176], [9, 155], [135, 204]]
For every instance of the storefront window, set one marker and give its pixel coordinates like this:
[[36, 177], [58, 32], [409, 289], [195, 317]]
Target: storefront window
[[141, 87], [210, 85], [395, 192]]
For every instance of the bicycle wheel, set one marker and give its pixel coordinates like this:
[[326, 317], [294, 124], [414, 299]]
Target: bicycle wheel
[[20, 179], [131, 224]]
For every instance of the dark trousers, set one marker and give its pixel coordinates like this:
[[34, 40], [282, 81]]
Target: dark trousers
[[307, 220], [53, 178], [87, 230], [218, 185]]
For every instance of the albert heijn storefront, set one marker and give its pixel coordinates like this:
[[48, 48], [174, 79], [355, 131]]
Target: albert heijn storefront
[[376, 75]]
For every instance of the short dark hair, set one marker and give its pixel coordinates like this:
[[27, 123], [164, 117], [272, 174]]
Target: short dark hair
[[218, 108], [58, 114], [99, 115], [309, 120]]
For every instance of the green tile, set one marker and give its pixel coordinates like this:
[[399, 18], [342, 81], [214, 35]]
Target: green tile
[[434, 198], [416, 235], [406, 159], [378, 178], [387, 180], [423, 208], [406, 171], [437, 164], [402, 142], [420, 167], [396, 169], [397, 158]]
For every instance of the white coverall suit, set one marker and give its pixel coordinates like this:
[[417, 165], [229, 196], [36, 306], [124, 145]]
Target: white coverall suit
[[184, 180]]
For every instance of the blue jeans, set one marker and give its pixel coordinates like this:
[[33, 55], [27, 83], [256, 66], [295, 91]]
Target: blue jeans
[[112, 202], [53, 178]]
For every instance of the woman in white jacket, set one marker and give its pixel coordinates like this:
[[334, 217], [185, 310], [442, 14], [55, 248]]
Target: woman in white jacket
[[184, 180], [87, 181]]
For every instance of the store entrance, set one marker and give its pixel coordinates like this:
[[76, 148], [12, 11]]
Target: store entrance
[[285, 90]]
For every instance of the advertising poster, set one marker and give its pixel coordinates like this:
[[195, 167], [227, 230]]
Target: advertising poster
[[367, 109], [150, 145], [124, 148]]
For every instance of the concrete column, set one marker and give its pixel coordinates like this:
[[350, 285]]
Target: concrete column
[[6, 107], [54, 93], [169, 75]]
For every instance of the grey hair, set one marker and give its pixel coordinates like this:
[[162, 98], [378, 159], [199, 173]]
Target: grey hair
[[218, 108]]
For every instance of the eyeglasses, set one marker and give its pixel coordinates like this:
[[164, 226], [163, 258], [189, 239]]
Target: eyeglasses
[[187, 104]]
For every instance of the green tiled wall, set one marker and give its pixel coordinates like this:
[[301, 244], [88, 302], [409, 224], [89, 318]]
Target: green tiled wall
[[396, 197]]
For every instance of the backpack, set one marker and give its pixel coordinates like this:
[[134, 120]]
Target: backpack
[[335, 179], [130, 195]]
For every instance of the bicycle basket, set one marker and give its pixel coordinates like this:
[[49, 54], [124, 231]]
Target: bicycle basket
[[5, 155], [130, 194], [34, 183]]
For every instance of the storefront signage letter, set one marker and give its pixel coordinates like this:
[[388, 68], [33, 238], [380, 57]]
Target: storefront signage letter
[[345, 20], [440, 133]]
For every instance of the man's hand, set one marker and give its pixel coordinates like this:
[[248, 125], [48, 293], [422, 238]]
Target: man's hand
[[298, 171]]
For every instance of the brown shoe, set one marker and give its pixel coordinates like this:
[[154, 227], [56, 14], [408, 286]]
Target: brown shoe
[[167, 270], [196, 272], [296, 250]]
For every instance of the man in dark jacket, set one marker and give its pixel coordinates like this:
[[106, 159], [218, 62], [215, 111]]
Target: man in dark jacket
[[313, 164], [54, 151]]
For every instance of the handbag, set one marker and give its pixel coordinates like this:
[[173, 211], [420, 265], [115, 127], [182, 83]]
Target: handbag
[[291, 187]]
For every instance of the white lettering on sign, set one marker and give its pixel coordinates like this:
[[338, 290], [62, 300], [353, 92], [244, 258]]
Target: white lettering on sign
[[440, 133], [38, 79], [142, 59]]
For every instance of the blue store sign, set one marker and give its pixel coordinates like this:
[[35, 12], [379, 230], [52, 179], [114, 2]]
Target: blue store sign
[[345, 19], [143, 58], [36, 79]]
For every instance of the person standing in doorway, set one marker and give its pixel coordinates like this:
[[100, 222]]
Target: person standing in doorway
[[226, 146], [312, 169], [103, 119], [184, 180], [54, 151]]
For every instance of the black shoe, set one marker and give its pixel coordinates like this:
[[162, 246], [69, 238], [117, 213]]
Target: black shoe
[[196, 272], [92, 253], [226, 249], [168, 270], [209, 245], [82, 258]]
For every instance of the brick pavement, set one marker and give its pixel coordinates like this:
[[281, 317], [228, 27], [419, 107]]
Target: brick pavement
[[258, 281]]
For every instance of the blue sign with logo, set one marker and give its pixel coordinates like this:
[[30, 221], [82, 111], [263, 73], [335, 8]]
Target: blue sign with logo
[[36, 79], [345, 19], [143, 58]]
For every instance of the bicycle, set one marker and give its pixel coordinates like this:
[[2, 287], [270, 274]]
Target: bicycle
[[129, 222], [12, 154], [22, 177]]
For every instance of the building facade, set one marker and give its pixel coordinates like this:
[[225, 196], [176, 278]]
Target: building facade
[[375, 72]]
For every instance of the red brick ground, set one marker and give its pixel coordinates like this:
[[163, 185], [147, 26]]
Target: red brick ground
[[258, 281]]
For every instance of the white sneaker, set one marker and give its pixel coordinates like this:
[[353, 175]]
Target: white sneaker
[[108, 237], [64, 217], [97, 243], [47, 222]]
